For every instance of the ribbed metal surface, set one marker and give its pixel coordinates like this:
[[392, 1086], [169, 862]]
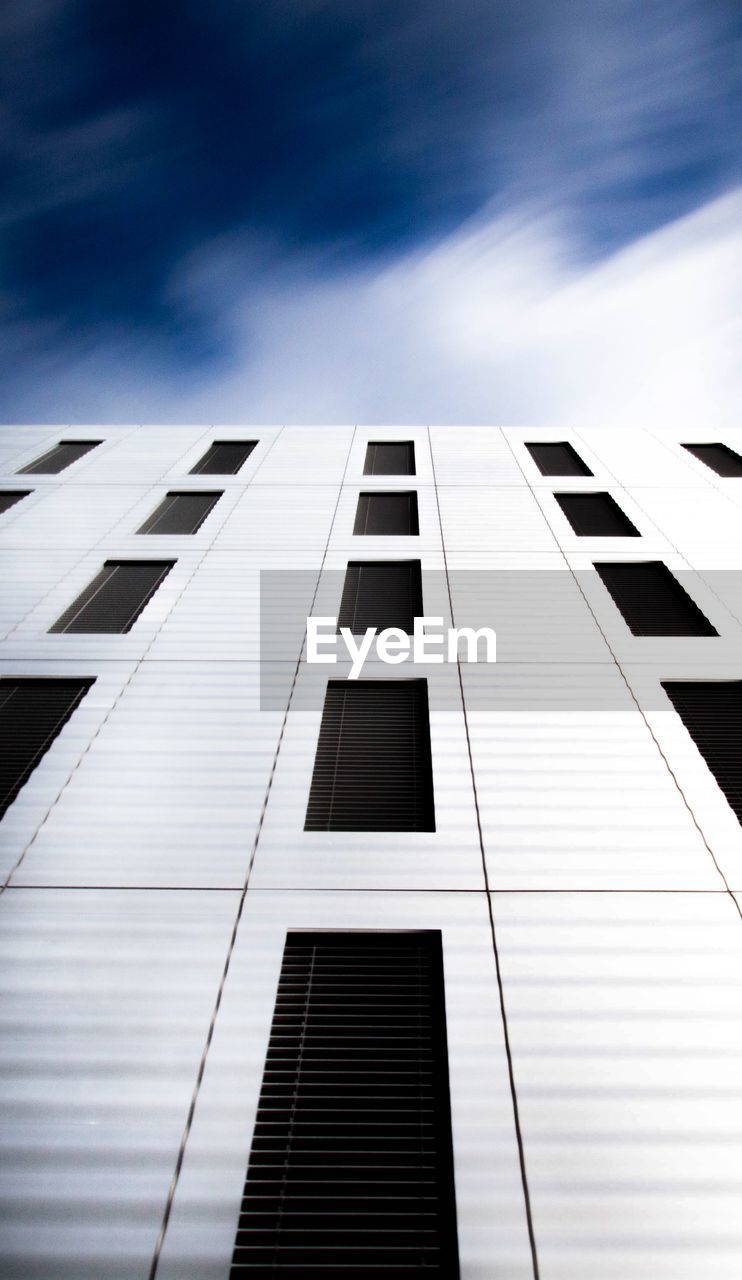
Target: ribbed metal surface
[[351, 1170], [180, 513], [61, 456], [652, 601], [386, 513], [224, 458], [381, 593], [723, 460], [32, 712], [372, 771], [390, 458], [711, 711], [9, 497], [115, 598], [596, 515], [558, 459]]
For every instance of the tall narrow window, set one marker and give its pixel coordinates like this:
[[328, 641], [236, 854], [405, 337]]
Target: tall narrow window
[[390, 458], [719, 457], [558, 459], [711, 711], [373, 769], [596, 515], [224, 458], [32, 712], [180, 513], [61, 456], [9, 497], [115, 598], [652, 601], [351, 1168], [387, 514], [381, 593]]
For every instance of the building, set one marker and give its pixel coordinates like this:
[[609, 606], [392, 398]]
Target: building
[[553, 841]]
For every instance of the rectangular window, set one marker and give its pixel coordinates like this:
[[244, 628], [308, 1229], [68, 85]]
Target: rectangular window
[[596, 515], [386, 514], [712, 713], [558, 459], [9, 497], [719, 457], [373, 768], [180, 513], [32, 712], [381, 593], [61, 456], [350, 1171], [115, 598], [652, 601], [224, 458], [390, 458]]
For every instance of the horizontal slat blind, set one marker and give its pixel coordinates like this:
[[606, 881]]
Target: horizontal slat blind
[[373, 769], [9, 497], [32, 712], [350, 1171], [115, 598], [652, 601], [381, 593], [61, 456], [596, 515], [712, 713], [719, 457], [558, 459], [180, 513], [387, 514], [390, 458], [224, 458]]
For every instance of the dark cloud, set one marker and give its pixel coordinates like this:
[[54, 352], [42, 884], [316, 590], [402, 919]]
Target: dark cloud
[[135, 132]]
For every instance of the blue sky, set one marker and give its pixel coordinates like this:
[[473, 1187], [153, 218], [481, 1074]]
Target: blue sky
[[370, 210]]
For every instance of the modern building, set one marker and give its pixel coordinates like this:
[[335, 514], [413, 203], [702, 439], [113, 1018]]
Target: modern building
[[433, 972]]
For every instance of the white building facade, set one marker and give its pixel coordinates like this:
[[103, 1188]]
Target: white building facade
[[583, 866]]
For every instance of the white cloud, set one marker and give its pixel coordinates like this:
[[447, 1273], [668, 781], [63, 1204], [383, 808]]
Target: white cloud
[[497, 323]]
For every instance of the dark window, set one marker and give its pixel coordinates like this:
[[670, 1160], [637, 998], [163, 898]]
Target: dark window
[[180, 513], [596, 515], [115, 598], [61, 456], [351, 1167], [712, 713], [558, 459], [224, 458], [652, 601], [9, 497], [723, 460], [32, 713], [386, 513], [390, 458], [381, 593], [373, 769]]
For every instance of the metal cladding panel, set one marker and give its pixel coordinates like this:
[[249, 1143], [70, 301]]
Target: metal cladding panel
[[32, 712], [224, 458], [390, 458], [351, 1164], [180, 513], [373, 768], [557, 459], [115, 598], [381, 593], [596, 515], [387, 514], [719, 457], [61, 456], [652, 601]]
